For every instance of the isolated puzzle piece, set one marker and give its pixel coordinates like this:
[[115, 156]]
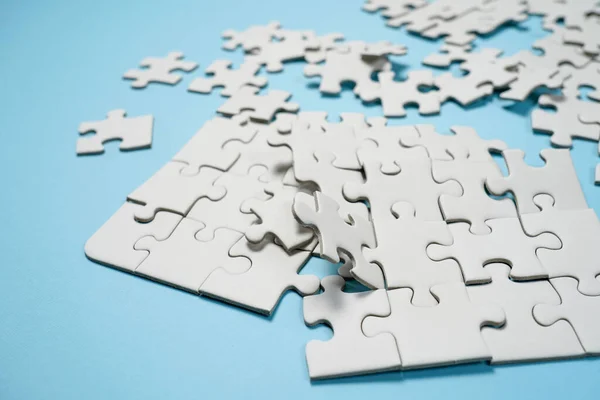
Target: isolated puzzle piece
[[276, 218], [160, 70], [566, 123], [134, 133], [336, 235], [521, 338], [273, 272], [112, 244], [413, 184], [292, 45], [445, 334], [169, 190], [182, 261], [557, 178], [506, 243], [231, 80], [393, 8], [263, 107], [579, 233], [207, 148], [253, 37], [579, 310], [226, 213], [475, 206], [395, 95], [400, 252], [344, 313]]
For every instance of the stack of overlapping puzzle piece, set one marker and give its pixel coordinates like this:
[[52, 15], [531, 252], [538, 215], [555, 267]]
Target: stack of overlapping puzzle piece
[[459, 262]]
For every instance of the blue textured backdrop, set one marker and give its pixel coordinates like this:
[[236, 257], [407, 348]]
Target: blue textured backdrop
[[72, 329]]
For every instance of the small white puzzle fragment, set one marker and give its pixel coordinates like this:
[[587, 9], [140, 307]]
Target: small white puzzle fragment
[[159, 70], [263, 107], [230, 79]]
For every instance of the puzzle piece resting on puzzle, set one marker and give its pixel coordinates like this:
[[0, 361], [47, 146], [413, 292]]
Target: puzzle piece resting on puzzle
[[532, 72], [579, 233], [172, 191], [566, 123], [395, 95], [134, 133], [252, 38], [263, 107], [229, 78], [557, 178], [572, 13], [579, 310], [588, 35], [522, 338], [183, 261], [273, 272], [113, 243], [160, 70], [428, 16], [336, 235], [276, 218], [401, 253], [506, 243], [344, 313], [588, 76], [445, 334]]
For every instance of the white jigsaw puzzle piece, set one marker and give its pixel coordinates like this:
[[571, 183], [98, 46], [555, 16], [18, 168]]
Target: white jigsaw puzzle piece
[[160, 70], [262, 107], [231, 80]]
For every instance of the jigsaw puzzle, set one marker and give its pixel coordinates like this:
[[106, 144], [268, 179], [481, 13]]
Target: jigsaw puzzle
[[159, 70]]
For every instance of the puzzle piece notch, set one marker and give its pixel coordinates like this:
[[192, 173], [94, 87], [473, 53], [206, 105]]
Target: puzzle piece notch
[[446, 334], [263, 107], [579, 310], [160, 70], [336, 235], [557, 178], [231, 80], [522, 338], [579, 232], [169, 190], [344, 313], [134, 133], [183, 261], [394, 96], [113, 243], [506, 243], [273, 271], [253, 37]]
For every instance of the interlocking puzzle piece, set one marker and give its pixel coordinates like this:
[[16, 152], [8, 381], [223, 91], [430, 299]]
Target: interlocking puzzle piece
[[475, 206], [263, 107], [253, 37], [464, 144], [336, 235], [231, 80], [207, 147], [506, 243], [112, 244], [160, 70], [566, 123], [226, 213], [557, 178], [134, 133], [445, 334], [579, 310], [464, 90], [401, 254], [347, 66], [395, 95], [183, 261], [344, 313], [448, 54], [573, 13], [587, 35], [579, 233], [169, 190], [276, 218], [326, 42], [588, 76], [292, 45], [556, 53], [315, 121], [393, 8], [381, 49], [521, 338], [413, 184], [532, 72], [273, 272], [430, 15]]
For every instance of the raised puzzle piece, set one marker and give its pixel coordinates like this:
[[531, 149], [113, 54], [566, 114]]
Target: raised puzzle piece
[[263, 107], [159, 70], [344, 312], [445, 334], [230, 79], [134, 133]]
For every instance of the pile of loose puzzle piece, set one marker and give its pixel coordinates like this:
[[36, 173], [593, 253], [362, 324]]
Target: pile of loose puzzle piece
[[459, 263]]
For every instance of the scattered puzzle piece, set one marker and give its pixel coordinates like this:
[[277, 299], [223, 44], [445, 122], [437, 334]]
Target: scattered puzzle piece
[[263, 107], [159, 70], [230, 79], [252, 38]]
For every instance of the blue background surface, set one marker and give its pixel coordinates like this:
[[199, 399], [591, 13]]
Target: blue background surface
[[72, 329]]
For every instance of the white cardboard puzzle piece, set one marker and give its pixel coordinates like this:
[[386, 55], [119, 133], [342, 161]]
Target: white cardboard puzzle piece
[[262, 107], [253, 37], [229, 78], [159, 70]]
